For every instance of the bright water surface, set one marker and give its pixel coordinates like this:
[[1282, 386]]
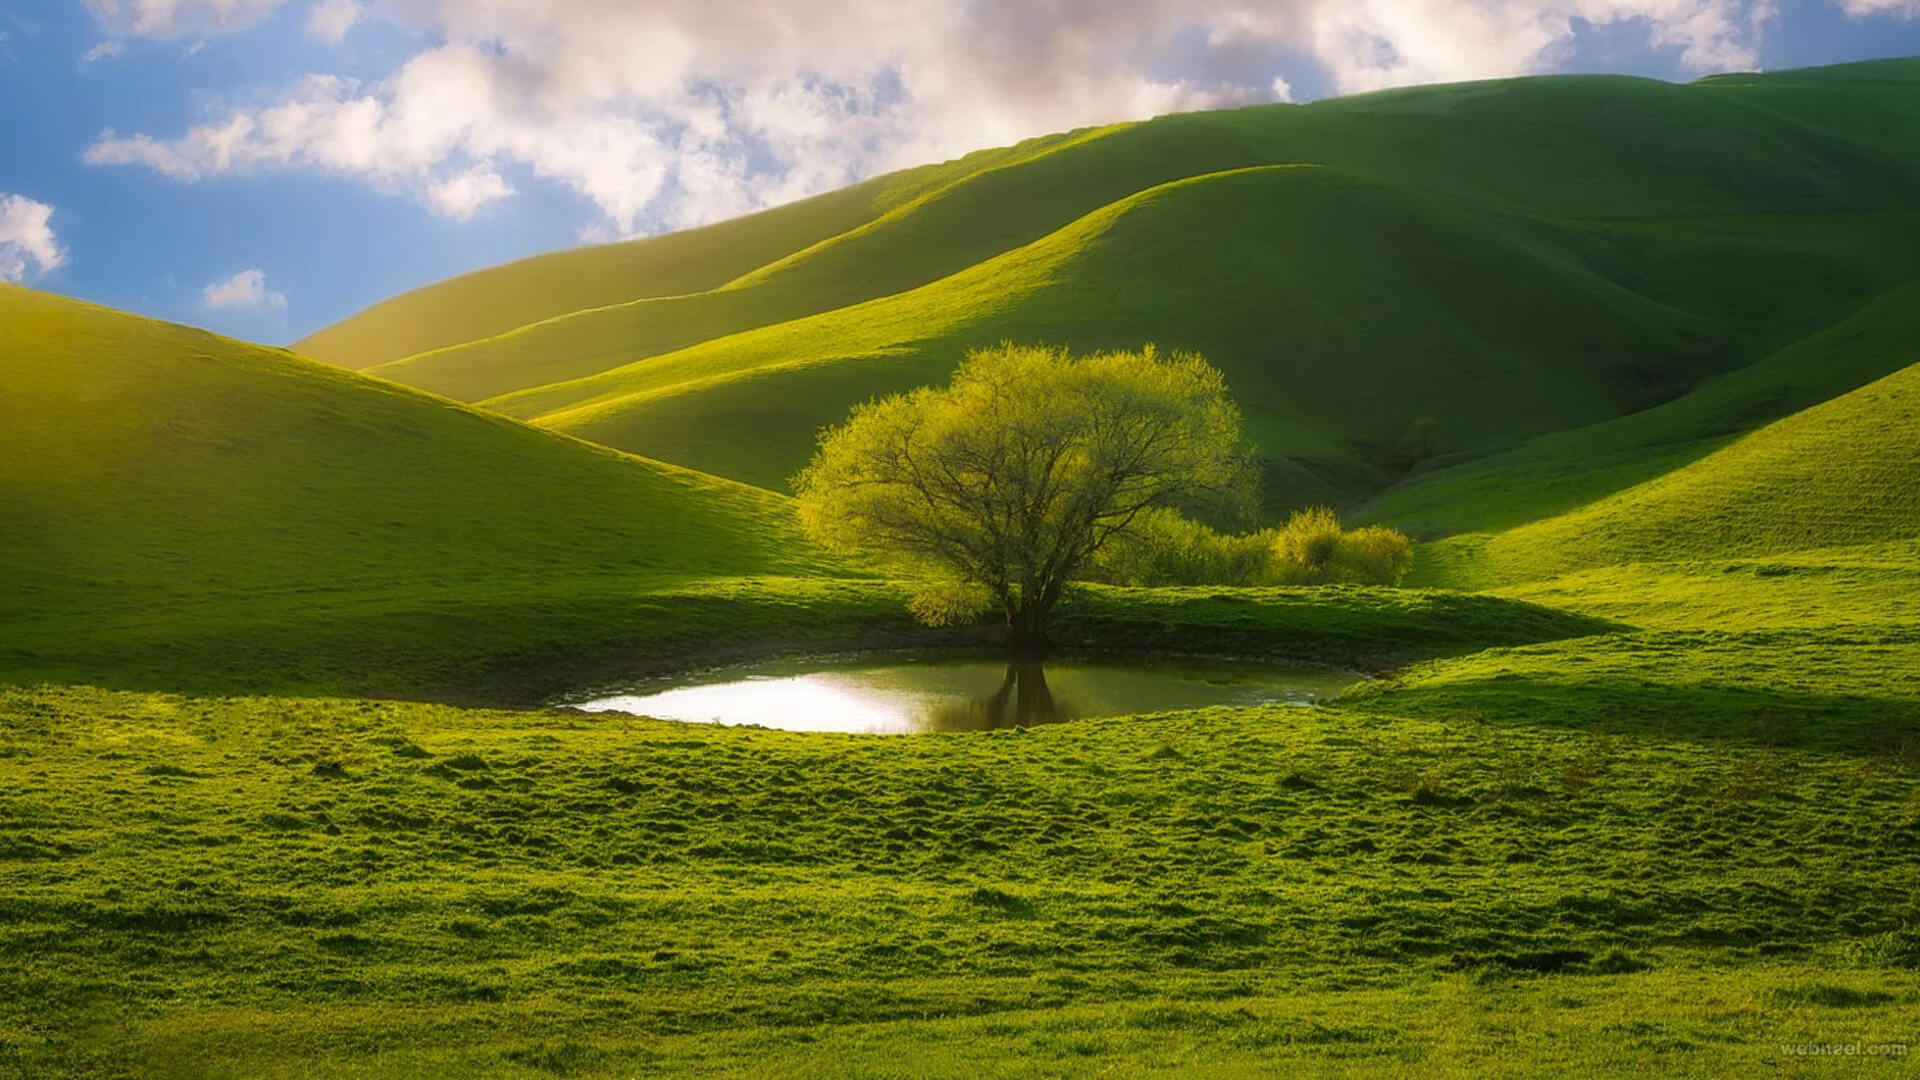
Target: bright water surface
[[894, 695]]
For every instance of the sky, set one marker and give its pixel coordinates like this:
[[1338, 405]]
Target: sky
[[267, 167]]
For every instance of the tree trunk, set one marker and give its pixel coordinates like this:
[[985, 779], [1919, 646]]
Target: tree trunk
[[1027, 616]]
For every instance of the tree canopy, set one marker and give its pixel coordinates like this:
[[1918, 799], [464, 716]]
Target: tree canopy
[[1002, 485]]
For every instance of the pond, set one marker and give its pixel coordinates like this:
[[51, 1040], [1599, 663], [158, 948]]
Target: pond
[[903, 695]]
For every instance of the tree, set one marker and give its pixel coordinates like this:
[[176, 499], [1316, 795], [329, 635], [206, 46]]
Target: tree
[[1001, 486]]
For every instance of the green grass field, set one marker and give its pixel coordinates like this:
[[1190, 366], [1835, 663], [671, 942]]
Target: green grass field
[[1634, 789]]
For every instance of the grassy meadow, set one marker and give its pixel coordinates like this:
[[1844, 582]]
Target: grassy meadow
[[1632, 789]]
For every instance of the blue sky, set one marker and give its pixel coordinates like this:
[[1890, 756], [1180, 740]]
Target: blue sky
[[265, 167]]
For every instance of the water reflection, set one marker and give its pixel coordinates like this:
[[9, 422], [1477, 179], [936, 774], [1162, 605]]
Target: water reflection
[[1022, 700], [865, 694]]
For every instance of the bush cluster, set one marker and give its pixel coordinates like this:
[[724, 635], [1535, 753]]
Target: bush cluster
[[1164, 547], [1313, 549]]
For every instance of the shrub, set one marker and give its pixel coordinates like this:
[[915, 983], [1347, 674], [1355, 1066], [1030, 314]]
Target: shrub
[[1164, 547], [1305, 547], [1313, 549], [1376, 555]]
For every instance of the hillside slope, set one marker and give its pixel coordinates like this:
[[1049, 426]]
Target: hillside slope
[[1845, 472], [1716, 224], [1559, 472], [499, 298], [1579, 148], [1279, 274], [155, 474]]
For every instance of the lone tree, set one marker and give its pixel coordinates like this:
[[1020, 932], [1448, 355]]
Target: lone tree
[[1000, 487]]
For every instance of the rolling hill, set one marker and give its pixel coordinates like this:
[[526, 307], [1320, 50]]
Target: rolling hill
[[496, 300], [1843, 473], [1556, 473], [1476, 336], [162, 481], [1501, 260]]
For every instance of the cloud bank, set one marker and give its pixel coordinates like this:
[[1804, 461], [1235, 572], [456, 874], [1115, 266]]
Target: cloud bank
[[26, 238], [676, 112]]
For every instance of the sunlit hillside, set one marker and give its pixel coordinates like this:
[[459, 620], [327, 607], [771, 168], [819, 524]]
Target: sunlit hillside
[[1561, 250], [164, 485]]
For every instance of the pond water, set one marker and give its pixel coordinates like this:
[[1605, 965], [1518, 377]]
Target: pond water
[[896, 695]]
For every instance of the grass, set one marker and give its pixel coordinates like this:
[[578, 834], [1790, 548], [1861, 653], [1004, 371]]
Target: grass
[[176, 499], [1210, 263], [1559, 472], [1510, 259], [205, 885], [1846, 471]]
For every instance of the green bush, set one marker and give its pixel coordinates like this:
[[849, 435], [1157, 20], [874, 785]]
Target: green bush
[[1164, 547], [1313, 549]]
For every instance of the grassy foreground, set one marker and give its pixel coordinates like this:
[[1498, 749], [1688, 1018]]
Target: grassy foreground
[[1406, 883], [1683, 842]]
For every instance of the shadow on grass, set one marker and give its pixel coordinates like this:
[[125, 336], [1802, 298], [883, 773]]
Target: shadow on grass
[[1880, 727], [521, 648]]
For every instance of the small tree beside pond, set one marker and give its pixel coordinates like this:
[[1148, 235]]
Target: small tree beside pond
[[1002, 486]]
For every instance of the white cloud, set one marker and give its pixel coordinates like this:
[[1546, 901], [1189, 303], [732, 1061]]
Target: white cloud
[[26, 237], [167, 18], [100, 52], [675, 112], [331, 19], [1903, 9], [459, 195], [244, 290]]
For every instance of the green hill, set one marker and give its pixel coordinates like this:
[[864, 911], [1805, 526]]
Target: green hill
[[1477, 333], [167, 487], [1644, 151], [1559, 472], [1561, 251], [1846, 472], [495, 300], [1664, 341]]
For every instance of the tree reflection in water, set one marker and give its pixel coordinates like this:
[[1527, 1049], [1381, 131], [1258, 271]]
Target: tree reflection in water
[[1023, 699]]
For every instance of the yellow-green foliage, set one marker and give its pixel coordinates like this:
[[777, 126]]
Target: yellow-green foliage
[[1015, 474], [1313, 549], [1166, 547]]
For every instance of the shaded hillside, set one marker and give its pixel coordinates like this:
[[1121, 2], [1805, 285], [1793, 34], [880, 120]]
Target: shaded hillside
[[1846, 472], [1559, 472]]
